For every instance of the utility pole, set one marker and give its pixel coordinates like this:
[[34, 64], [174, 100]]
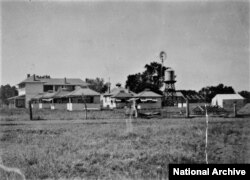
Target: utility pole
[[163, 56]]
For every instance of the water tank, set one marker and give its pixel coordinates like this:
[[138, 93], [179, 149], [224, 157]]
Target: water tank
[[169, 75]]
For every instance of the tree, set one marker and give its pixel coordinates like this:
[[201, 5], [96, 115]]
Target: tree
[[151, 78], [7, 91], [210, 91], [246, 95], [97, 84]]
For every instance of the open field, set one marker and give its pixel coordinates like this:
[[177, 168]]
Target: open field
[[102, 148]]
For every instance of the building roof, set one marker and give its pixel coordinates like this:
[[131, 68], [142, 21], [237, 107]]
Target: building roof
[[148, 93], [38, 96], [48, 95], [123, 95], [17, 97], [228, 96], [191, 96], [83, 91], [61, 93], [55, 81], [120, 92], [179, 94]]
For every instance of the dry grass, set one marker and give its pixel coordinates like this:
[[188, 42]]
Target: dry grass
[[102, 148]]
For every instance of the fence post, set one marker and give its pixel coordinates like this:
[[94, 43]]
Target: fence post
[[235, 111], [85, 105], [30, 110], [187, 108]]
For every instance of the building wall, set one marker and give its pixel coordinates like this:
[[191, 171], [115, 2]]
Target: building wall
[[228, 104], [20, 103], [90, 99], [217, 101], [121, 105], [108, 102], [79, 106], [21, 91], [97, 100], [60, 106], [151, 105], [31, 90]]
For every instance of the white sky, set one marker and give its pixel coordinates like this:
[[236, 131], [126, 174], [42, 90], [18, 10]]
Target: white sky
[[207, 42]]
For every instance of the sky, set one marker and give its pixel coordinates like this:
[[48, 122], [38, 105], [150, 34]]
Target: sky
[[207, 42]]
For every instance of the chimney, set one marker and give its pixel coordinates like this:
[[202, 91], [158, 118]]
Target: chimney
[[28, 75], [118, 85], [65, 80], [34, 77]]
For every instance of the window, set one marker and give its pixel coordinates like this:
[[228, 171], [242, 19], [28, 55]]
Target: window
[[87, 99], [57, 87], [47, 88], [22, 85]]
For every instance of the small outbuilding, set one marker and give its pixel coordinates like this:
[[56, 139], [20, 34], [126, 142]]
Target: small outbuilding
[[117, 97], [149, 100], [227, 101], [17, 102]]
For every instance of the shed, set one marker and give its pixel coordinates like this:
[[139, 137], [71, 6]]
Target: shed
[[117, 98], [227, 101], [149, 100]]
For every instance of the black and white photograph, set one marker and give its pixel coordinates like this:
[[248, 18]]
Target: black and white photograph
[[124, 90]]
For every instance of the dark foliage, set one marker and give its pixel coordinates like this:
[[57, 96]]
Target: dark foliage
[[151, 78], [7, 91], [210, 91], [97, 85], [246, 95]]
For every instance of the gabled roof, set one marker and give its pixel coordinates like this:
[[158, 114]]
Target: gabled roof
[[55, 81], [228, 96], [148, 93], [123, 95], [120, 92], [83, 91]]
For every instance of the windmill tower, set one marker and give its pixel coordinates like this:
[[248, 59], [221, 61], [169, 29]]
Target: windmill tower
[[169, 94]]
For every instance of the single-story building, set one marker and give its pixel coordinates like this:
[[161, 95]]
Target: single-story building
[[70, 100], [17, 101], [181, 101], [227, 101], [83, 98], [117, 97], [149, 100]]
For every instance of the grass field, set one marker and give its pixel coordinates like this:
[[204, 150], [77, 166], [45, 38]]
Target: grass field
[[102, 148]]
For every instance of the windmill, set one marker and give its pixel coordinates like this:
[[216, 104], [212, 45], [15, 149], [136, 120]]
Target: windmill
[[168, 78]]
